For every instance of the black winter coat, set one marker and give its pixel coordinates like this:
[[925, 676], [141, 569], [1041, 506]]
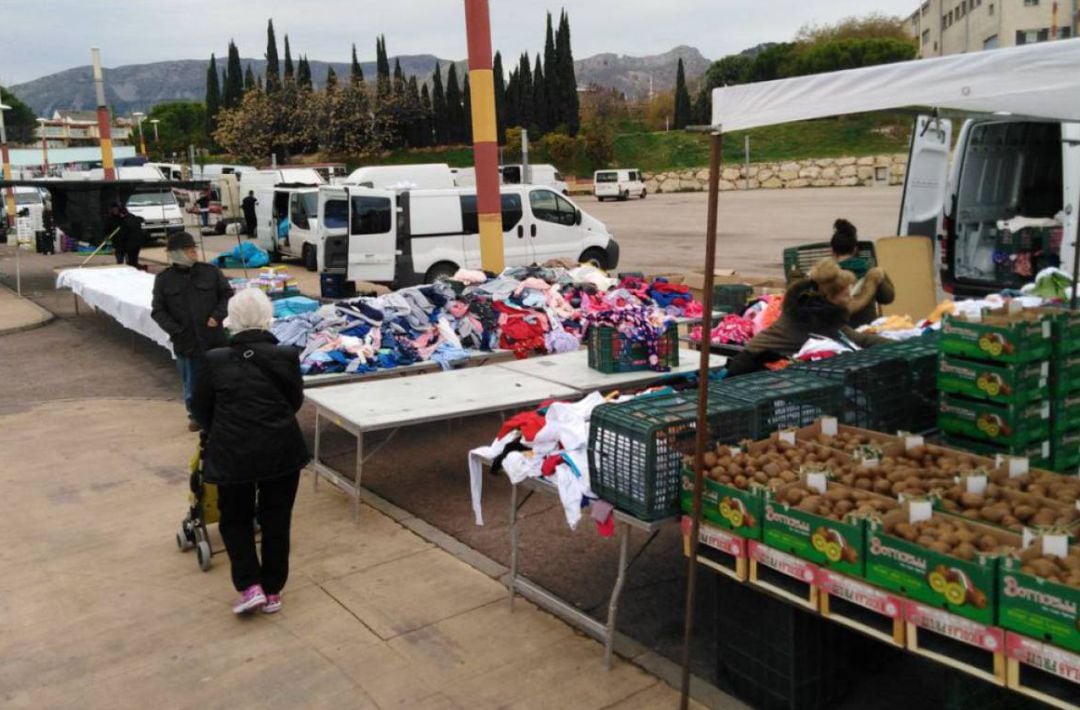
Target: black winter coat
[[246, 397], [184, 300]]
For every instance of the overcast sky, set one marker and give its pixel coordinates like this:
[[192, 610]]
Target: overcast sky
[[39, 37]]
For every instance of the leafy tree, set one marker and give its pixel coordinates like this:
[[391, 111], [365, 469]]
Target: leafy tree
[[213, 95], [852, 54], [250, 130], [775, 62], [289, 69], [599, 146], [438, 107], [873, 26], [569, 106], [181, 123], [273, 70], [500, 98], [682, 99], [234, 79], [455, 117], [356, 72]]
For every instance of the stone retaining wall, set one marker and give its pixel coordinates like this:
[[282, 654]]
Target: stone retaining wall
[[823, 172]]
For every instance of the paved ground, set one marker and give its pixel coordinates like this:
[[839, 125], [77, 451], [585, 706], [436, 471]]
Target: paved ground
[[18, 313]]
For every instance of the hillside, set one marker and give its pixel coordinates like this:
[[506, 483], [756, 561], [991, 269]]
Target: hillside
[[137, 87]]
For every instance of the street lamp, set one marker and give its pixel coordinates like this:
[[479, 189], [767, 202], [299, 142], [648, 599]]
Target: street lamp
[[44, 148], [139, 116], [155, 121]]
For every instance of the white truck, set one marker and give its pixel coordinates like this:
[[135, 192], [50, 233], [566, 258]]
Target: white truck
[[618, 184], [285, 212], [418, 176], [415, 236], [538, 174]]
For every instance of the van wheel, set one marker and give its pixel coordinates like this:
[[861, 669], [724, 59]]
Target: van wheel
[[595, 256], [643, 193], [625, 195], [275, 256], [444, 269], [311, 258]]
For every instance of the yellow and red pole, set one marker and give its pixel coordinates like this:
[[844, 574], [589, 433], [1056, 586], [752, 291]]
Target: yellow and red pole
[[5, 168], [485, 134], [104, 130]]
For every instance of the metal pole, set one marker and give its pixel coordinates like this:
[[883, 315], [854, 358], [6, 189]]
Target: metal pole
[[746, 150], [525, 157], [1076, 265], [716, 144], [485, 135], [103, 119]]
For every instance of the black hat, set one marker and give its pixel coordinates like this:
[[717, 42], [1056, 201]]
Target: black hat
[[180, 241]]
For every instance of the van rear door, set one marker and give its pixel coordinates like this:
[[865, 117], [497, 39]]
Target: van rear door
[[372, 254], [332, 247], [1070, 178], [926, 179]]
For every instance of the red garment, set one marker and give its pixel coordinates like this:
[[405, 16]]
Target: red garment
[[530, 424], [521, 331], [606, 528], [550, 464]]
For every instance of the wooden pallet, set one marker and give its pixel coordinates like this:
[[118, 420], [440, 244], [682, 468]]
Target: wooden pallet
[[963, 644], [862, 607], [724, 552], [1041, 671], [784, 575]]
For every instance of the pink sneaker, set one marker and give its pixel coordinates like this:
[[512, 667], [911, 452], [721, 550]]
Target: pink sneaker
[[273, 604], [252, 599]]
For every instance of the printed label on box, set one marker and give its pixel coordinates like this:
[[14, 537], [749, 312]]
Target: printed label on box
[[1044, 657], [955, 627], [716, 539], [782, 562], [859, 593]]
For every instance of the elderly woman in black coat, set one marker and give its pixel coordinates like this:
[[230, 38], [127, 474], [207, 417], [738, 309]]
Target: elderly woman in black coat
[[246, 399]]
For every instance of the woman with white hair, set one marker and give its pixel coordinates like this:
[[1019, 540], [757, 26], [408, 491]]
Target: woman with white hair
[[246, 400]]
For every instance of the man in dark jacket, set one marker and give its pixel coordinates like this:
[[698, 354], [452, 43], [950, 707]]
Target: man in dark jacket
[[190, 302], [114, 230], [248, 205], [246, 399], [132, 232]]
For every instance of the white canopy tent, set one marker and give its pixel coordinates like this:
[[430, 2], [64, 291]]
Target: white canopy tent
[[1039, 80]]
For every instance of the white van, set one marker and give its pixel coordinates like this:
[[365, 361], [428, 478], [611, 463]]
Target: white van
[[416, 236], [420, 176], [618, 184], [1002, 167], [28, 199], [542, 174], [170, 171], [159, 211], [287, 225]]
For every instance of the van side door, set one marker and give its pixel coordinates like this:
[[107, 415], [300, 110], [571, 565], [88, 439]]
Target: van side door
[[926, 179], [332, 244], [372, 235], [517, 244], [554, 227]]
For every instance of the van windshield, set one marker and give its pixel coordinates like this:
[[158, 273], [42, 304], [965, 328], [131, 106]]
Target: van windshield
[[607, 177], [152, 199], [27, 198]]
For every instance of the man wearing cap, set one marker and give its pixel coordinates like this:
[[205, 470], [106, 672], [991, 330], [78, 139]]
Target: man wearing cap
[[190, 302]]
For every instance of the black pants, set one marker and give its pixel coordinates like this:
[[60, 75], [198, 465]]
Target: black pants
[[131, 256], [237, 505], [249, 224]]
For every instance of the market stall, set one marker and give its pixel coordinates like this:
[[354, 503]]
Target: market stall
[[122, 292]]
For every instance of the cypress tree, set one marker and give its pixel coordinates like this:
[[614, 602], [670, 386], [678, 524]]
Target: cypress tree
[[289, 69], [438, 107], [213, 96], [682, 99], [234, 79], [399, 79], [539, 100], [303, 73], [249, 79], [414, 113], [454, 117], [512, 101], [569, 107], [273, 70], [331, 79], [382, 69], [466, 112], [500, 98], [426, 124], [525, 93], [356, 72], [552, 116]]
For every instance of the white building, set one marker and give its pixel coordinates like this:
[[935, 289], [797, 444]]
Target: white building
[[956, 26]]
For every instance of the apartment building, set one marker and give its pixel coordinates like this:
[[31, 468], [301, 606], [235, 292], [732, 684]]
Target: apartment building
[[956, 26], [72, 129]]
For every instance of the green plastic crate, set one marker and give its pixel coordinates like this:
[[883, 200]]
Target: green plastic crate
[[921, 356], [611, 352], [731, 298], [1038, 453], [636, 448], [800, 259], [1007, 384], [877, 388], [1065, 374], [997, 423], [781, 400], [998, 338], [1066, 451]]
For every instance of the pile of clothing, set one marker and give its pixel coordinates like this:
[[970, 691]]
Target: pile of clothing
[[739, 328], [527, 310], [274, 281], [549, 442]]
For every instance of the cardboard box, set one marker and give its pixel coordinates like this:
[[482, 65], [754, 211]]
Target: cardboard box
[[1009, 384], [965, 588], [997, 423], [1037, 607], [1066, 412], [762, 285], [1037, 452], [813, 434], [839, 545], [1065, 376], [726, 507], [1019, 337]]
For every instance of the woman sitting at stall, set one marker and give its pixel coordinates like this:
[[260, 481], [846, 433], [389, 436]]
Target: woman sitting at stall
[[815, 306], [872, 284]]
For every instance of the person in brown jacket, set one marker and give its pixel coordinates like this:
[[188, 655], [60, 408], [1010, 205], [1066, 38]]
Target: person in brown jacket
[[818, 305], [872, 285]]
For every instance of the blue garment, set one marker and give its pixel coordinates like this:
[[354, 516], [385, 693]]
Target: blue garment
[[294, 306], [188, 367], [447, 354], [247, 254]]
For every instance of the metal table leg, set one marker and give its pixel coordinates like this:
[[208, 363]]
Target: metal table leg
[[513, 543], [318, 440], [356, 479], [616, 593]]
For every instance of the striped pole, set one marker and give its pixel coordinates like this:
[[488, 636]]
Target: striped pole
[[5, 167], [103, 116], [485, 138]]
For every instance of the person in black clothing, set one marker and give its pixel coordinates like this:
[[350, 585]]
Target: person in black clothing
[[246, 400], [131, 232], [190, 302], [114, 230], [248, 205], [203, 203]]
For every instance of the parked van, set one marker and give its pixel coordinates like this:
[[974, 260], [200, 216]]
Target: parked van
[[420, 176], [618, 184], [159, 211], [170, 171], [28, 200], [542, 174], [415, 236], [1002, 168], [287, 225]]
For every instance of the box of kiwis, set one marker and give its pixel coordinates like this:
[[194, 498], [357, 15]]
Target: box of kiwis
[[1039, 592]]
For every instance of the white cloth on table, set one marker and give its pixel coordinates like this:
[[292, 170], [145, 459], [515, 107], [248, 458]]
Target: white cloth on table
[[573, 484], [123, 292], [477, 458], [567, 424]]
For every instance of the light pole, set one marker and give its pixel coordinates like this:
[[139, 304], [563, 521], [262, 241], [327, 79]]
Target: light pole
[[139, 116], [157, 141], [5, 158], [44, 149]]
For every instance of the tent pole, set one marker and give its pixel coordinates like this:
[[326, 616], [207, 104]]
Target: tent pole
[[1076, 265], [716, 144]]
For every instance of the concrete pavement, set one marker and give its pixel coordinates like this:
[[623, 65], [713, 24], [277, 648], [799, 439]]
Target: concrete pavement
[[101, 610], [20, 313]]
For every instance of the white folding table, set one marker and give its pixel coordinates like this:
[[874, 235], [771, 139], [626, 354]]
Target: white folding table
[[476, 358], [572, 369], [390, 404]]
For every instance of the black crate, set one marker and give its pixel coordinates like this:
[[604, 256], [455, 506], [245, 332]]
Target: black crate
[[775, 656], [636, 448], [731, 298], [921, 356], [877, 388], [611, 352], [782, 399]]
